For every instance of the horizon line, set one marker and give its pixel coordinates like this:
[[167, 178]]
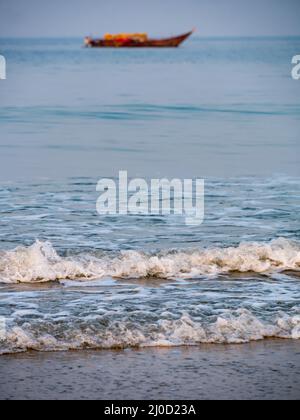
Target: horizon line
[[194, 36]]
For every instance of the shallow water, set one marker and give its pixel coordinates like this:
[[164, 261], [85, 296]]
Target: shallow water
[[106, 282], [223, 109], [266, 370]]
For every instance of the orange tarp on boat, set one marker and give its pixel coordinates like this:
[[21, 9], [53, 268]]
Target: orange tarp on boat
[[124, 37]]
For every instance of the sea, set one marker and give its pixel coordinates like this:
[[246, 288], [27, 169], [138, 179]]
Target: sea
[[225, 110]]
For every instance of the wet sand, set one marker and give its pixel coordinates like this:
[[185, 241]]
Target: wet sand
[[263, 370]]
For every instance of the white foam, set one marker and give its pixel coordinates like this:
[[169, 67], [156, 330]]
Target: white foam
[[236, 327], [41, 263]]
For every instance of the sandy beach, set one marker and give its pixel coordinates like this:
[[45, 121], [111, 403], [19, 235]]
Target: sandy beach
[[267, 370]]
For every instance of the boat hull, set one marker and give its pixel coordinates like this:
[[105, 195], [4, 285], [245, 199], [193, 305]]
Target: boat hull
[[172, 42]]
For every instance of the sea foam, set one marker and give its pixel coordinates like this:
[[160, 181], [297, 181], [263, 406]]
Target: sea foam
[[41, 263], [235, 327]]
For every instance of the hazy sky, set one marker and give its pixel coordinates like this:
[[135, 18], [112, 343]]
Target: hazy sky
[[211, 17]]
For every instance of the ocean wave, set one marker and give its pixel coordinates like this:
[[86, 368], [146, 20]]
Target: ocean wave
[[41, 263], [236, 327]]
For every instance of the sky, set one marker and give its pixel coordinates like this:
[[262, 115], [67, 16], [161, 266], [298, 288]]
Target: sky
[[50, 18]]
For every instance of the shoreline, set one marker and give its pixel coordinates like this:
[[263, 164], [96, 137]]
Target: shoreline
[[263, 370]]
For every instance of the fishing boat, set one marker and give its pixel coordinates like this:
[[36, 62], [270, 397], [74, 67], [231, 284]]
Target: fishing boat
[[135, 41]]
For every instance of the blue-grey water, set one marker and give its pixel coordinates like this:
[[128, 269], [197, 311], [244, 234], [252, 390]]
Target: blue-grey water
[[226, 110]]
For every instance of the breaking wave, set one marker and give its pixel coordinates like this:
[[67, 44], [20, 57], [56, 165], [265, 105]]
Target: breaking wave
[[41, 263], [236, 327]]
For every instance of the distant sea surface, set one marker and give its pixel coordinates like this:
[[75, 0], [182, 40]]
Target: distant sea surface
[[226, 110]]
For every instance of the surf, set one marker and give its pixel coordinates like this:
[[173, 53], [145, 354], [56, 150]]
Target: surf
[[40, 262]]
